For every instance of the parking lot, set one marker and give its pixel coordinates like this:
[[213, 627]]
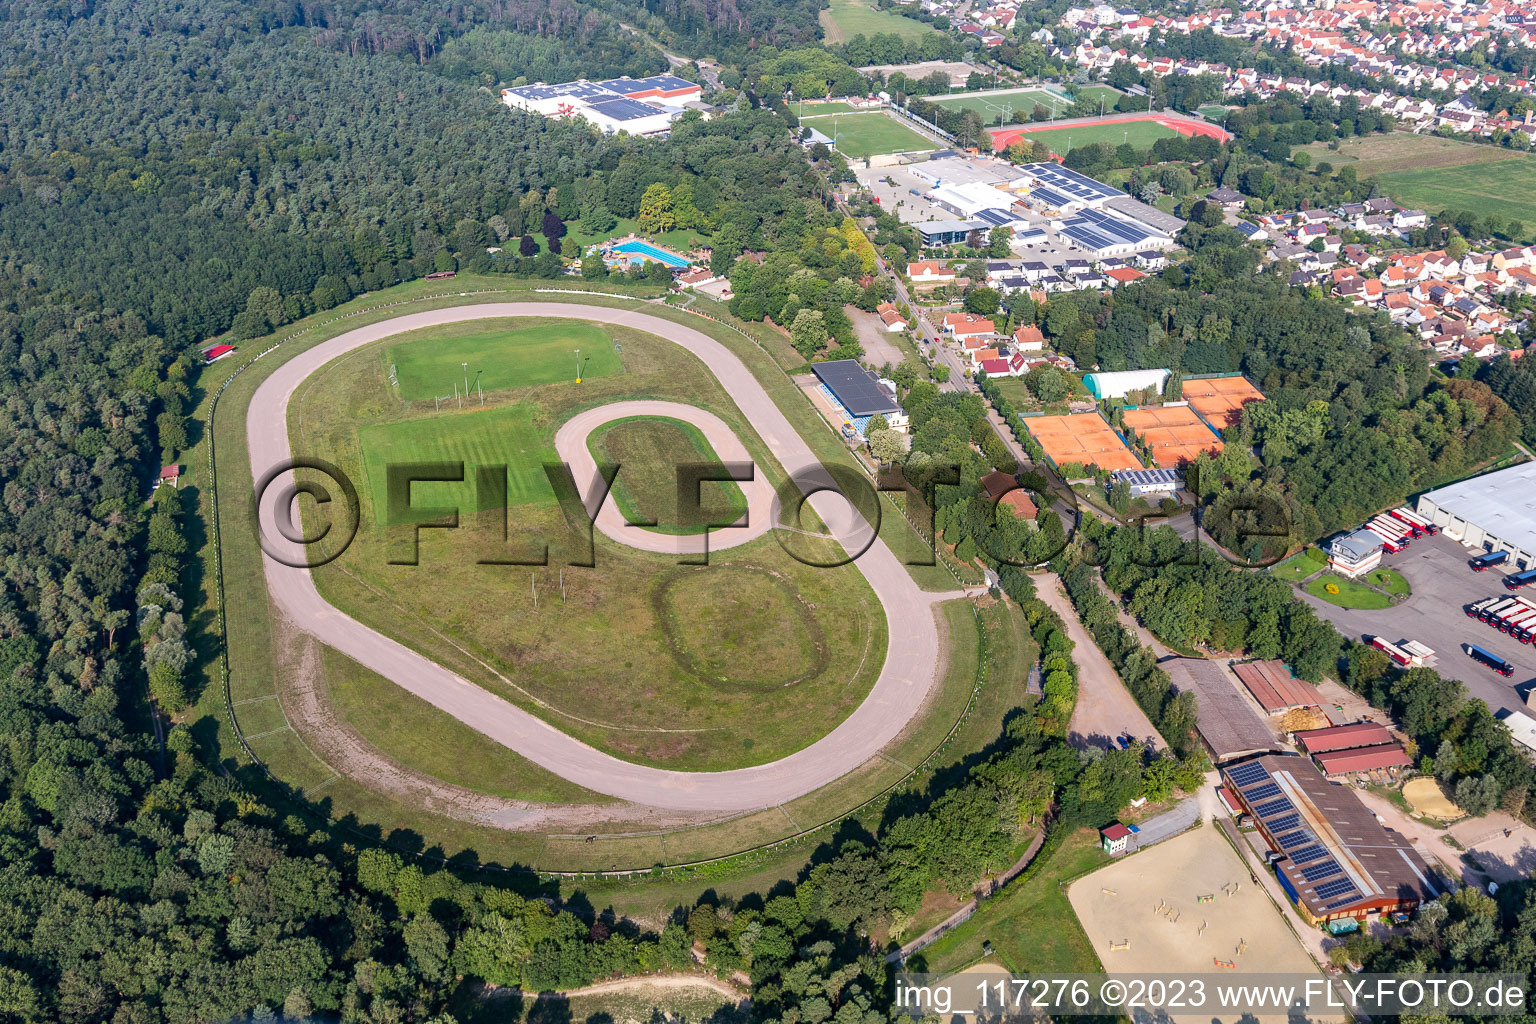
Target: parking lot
[[1436, 569]]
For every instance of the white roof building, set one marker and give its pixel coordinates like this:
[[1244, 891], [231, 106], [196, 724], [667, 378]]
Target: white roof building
[[1121, 383], [1492, 512]]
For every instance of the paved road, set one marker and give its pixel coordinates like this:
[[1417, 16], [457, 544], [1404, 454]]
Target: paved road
[[910, 673]]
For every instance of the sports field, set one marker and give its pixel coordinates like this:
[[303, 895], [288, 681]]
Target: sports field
[[845, 19], [648, 451], [869, 134], [1140, 134], [1082, 437], [499, 356], [1009, 107], [503, 436], [1174, 433]]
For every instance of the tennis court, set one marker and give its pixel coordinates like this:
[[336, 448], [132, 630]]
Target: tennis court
[[1221, 399], [1173, 432], [1081, 437]]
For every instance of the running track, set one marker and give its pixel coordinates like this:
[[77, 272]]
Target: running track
[[909, 675]]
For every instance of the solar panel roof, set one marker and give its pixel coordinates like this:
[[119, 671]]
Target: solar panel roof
[[1328, 890], [666, 83], [1247, 774], [1305, 856], [621, 109], [855, 387], [1274, 807], [1263, 792], [995, 217], [1321, 870], [1282, 825]]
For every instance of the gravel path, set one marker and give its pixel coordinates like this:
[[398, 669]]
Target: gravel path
[[910, 674]]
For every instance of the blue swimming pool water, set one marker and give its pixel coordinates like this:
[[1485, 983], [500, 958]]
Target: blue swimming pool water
[[647, 249]]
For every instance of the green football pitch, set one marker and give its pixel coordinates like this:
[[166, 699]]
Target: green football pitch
[[501, 436], [494, 357], [869, 134]]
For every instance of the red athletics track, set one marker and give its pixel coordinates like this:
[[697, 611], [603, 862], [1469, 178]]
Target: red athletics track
[[1003, 137]]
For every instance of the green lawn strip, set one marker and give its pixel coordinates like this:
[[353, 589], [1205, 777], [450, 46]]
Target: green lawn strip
[[1389, 580], [414, 733], [1031, 925], [1352, 594], [649, 450], [1297, 568]]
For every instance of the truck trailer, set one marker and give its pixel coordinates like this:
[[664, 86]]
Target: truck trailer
[[1514, 581], [1392, 526], [1414, 528], [1409, 515], [1488, 559], [1490, 659]]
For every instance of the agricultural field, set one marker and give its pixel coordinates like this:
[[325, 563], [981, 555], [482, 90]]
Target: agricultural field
[[430, 363], [648, 450], [1373, 155], [845, 19], [618, 654], [869, 134]]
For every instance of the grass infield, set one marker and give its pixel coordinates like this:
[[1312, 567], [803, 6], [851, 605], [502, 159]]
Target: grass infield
[[648, 451], [430, 363]]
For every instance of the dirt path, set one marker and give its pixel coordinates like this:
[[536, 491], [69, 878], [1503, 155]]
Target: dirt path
[[1105, 708], [910, 673], [668, 981]]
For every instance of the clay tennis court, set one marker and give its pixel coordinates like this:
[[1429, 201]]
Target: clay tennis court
[[1150, 903], [1174, 433], [1221, 399], [1082, 437]]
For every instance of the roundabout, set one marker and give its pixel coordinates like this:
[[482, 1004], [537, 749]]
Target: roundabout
[[906, 679]]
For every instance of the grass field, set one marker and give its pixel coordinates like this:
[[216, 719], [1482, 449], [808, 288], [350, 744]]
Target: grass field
[[503, 435], [1031, 926], [1010, 107], [679, 240], [1390, 581], [1434, 174], [1096, 93], [869, 134], [1351, 594], [826, 107], [429, 364], [1140, 134], [648, 450], [845, 19]]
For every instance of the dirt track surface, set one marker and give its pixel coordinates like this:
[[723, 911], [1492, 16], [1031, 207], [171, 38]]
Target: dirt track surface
[[909, 676]]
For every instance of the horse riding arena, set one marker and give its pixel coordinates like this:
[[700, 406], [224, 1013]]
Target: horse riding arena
[[1182, 906]]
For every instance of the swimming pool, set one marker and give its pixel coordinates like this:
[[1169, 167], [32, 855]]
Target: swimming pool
[[650, 251]]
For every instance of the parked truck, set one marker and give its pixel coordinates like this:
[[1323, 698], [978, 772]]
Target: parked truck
[[1488, 559], [1409, 515], [1490, 612], [1516, 580], [1490, 659], [1506, 619], [1395, 535], [1389, 541], [1522, 626], [1474, 610], [1402, 530], [1397, 516]]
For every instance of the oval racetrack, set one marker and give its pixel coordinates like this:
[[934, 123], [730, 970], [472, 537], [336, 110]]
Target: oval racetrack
[[909, 675]]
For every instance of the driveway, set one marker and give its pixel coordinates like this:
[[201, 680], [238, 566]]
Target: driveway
[[909, 675], [1105, 708], [879, 347]]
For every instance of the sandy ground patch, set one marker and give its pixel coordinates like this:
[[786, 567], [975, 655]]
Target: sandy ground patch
[[1427, 797], [1120, 904]]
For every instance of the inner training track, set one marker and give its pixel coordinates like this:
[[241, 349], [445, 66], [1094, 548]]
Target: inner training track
[[909, 675]]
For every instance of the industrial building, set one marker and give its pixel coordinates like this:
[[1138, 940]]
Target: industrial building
[[857, 395], [1228, 725], [1336, 860], [1493, 512], [638, 106]]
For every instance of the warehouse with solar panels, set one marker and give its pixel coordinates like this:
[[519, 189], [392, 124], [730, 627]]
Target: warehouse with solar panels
[[638, 106], [1335, 860]]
